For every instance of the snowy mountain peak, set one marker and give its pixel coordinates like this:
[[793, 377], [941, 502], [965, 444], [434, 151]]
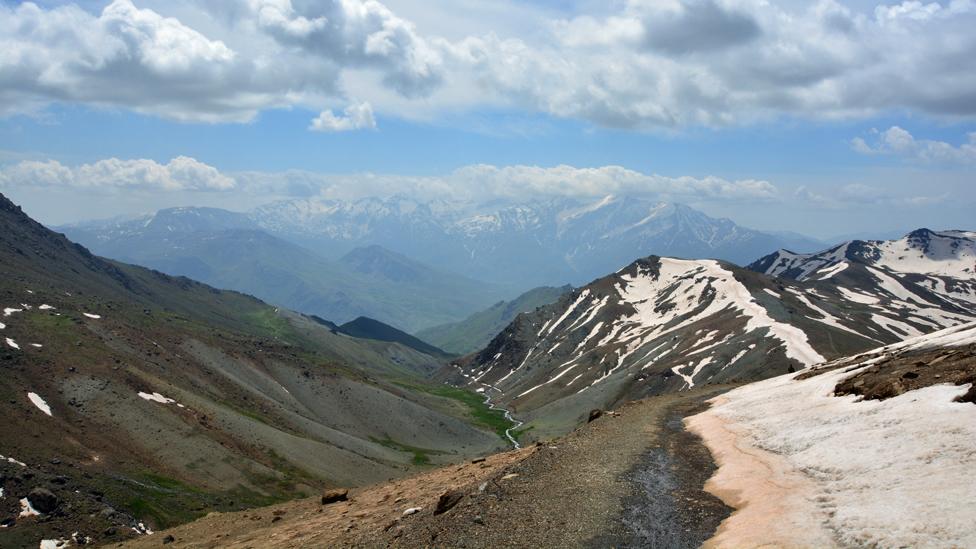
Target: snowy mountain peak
[[923, 266]]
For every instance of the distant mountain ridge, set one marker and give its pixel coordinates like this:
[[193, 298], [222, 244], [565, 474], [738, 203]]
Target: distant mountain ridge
[[532, 243], [229, 250]]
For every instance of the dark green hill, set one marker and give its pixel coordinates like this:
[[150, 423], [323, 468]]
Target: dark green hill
[[368, 328]]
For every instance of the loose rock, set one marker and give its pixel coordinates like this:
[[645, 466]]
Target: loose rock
[[335, 495], [43, 500], [447, 501]]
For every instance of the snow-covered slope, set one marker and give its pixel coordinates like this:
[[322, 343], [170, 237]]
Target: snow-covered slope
[[922, 266], [667, 324], [808, 463], [531, 243]]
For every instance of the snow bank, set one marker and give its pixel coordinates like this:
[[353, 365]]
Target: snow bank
[[892, 473], [39, 402]]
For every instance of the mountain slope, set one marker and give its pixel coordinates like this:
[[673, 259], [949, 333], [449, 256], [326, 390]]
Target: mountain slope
[[534, 243], [160, 397], [227, 250], [664, 325], [476, 331]]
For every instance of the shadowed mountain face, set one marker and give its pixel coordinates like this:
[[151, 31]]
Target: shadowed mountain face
[[161, 398], [229, 250], [528, 244], [664, 325]]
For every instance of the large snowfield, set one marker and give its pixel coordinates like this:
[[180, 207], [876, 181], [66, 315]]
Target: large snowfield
[[806, 468]]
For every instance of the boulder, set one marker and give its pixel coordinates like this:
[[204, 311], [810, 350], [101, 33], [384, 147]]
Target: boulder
[[43, 500], [335, 495], [447, 501]]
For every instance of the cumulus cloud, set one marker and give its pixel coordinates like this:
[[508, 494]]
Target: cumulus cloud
[[474, 182], [487, 182], [179, 174], [639, 64], [357, 116], [899, 142]]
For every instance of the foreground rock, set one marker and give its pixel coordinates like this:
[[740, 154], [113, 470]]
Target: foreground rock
[[335, 495]]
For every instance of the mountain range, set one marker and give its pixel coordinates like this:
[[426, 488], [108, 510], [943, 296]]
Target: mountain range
[[663, 324], [531, 243]]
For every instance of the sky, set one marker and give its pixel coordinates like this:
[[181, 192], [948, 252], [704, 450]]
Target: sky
[[823, 118]]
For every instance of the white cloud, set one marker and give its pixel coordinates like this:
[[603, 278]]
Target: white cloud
[[179, 174], [899, 142], [645, 64], [357, 116], [475, 182], [486, 182]]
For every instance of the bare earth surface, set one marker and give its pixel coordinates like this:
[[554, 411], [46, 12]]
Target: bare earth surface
[[596, 487]]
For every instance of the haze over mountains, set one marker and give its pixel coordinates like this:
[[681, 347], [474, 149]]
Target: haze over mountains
[[534, 243], [413, 264], [229, 250]]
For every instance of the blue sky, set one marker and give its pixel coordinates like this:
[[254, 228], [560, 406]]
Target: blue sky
[[847, 132]]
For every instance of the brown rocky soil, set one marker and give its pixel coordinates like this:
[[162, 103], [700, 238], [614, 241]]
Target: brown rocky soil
[[578, 490], [907, 370]]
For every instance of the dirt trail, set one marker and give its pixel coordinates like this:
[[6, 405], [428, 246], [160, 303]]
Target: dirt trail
[[581, 490]]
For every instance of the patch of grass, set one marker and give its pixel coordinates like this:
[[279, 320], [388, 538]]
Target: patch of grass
[[478, 412], [421, 456], [269, 322]]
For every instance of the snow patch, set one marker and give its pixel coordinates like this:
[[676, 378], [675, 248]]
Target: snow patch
[[89, 315], [156, 397], [36, 400], [26, 509], [12, 343]]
